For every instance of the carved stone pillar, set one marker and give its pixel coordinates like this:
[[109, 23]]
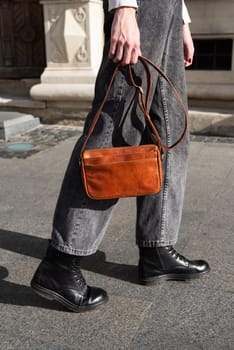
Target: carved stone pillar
[[74, 43]]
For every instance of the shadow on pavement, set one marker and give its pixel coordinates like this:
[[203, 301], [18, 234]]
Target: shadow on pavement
[[16, 294], [3, 272], [97, 263], [23, 244]]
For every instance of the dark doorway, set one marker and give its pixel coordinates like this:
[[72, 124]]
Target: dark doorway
[[22, 45]]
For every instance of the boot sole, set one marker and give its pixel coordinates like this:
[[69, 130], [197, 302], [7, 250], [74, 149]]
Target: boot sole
[[171, 277], [53, 296]]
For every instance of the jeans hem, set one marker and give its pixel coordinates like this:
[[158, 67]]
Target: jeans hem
[[71, 251]]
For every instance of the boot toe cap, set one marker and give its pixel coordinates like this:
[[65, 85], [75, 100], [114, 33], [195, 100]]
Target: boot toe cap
[[200, 266], [95, 296]]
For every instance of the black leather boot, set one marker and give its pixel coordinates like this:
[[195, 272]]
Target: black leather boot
[[165, 262], [58, 277]]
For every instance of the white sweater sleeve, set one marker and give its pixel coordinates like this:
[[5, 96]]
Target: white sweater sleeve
[[113, 4], [185, 14], [133, 3], [119, 3]]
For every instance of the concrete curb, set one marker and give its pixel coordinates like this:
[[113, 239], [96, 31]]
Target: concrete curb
[[212, 123]]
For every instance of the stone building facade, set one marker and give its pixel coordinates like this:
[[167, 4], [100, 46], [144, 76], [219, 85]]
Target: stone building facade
[[212, 84], [51, 51]]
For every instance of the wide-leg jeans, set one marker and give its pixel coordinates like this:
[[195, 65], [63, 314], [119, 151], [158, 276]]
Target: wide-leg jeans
[[79, 222]]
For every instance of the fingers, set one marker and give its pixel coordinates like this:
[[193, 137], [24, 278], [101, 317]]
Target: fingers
[[135, 54], [188, 62], [188, 56], [188, 46], [124, 53]]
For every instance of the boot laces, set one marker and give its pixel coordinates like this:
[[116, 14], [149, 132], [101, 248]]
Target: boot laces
[[77, 275], [178, 256]]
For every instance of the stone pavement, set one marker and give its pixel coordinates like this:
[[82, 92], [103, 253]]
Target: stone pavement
[[171, 315]]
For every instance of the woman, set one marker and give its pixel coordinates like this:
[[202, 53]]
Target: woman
[[156, 29]]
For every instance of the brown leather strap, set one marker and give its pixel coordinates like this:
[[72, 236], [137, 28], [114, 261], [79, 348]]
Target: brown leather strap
[[178, 96], [98, 113], [143, 104]]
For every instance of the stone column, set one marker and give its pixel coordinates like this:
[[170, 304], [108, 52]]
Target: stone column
[[74, 43]]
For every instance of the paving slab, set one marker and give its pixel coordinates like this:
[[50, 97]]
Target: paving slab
[[170, 315], [108, 327], [188, 317]]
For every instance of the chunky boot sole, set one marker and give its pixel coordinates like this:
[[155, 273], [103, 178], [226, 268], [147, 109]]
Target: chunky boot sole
[[51, 295], [171, 277]]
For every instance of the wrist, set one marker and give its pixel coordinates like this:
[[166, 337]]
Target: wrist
[[186, 27]]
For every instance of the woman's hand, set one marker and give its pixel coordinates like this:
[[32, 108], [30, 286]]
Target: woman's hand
[[125, 37], [188, 46]]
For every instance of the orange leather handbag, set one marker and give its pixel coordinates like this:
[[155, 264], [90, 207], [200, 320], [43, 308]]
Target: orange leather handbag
[[127, 171]]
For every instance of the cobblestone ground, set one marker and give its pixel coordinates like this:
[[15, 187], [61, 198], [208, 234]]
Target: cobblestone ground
[[40, 138], [46, 136]]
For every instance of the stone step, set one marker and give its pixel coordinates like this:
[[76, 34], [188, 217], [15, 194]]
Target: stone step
[[211, 122], [18, 101], [14, 123], [20, 87]]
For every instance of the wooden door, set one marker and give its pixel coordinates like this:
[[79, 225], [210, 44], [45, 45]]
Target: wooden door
[[22, 46]]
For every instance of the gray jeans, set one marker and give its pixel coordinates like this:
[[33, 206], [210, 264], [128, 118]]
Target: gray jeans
[[80, 222]]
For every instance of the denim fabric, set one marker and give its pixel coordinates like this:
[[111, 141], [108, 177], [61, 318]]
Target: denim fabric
[[79, 222]]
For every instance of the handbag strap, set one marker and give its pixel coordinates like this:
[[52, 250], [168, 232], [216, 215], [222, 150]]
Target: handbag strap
[[143, 104]]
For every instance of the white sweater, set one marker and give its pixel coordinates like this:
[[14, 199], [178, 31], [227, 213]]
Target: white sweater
[[133, 3]]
